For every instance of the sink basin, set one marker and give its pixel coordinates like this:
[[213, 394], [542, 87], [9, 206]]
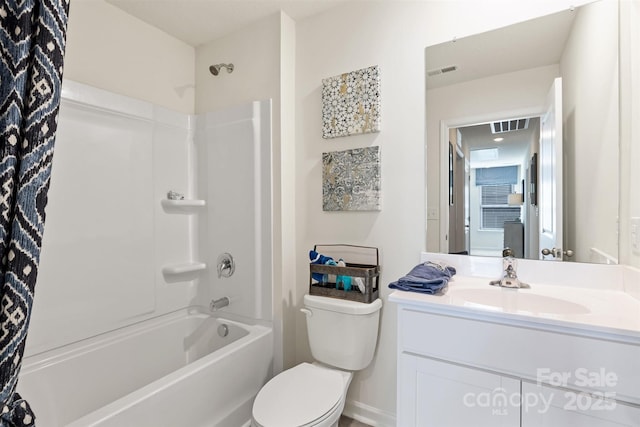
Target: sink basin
[[515, 301]]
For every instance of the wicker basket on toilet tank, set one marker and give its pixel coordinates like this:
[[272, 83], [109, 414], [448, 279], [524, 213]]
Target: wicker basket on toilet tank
[[362, 262]]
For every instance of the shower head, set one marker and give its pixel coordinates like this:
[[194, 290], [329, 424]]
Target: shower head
[[215, 69]]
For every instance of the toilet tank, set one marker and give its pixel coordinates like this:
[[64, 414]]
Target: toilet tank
[[342, 333]]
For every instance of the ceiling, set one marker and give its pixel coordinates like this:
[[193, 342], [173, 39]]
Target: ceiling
[[511, 150], [199, 21], [500, 51], [494, 52]]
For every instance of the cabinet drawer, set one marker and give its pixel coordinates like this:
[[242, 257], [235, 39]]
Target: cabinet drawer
[[434, 393], [547, 407], [546, 357]]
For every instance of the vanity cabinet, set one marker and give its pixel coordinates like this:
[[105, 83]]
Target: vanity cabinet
[[551, 407], [461, 368], [437, 393]]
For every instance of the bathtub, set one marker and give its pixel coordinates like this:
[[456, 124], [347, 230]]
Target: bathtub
[[177, 370]]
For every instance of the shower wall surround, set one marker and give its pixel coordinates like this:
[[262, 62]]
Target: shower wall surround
[[108, 235], [234, 175], [106, 232]]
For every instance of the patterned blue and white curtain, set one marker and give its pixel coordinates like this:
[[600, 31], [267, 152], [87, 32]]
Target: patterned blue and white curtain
[[32, 43]]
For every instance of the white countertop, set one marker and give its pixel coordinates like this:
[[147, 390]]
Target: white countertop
[[598, 313]]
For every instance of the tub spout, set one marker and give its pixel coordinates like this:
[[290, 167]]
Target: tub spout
[[217, 304]]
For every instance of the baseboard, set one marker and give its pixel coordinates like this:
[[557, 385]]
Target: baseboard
[[368, 414]]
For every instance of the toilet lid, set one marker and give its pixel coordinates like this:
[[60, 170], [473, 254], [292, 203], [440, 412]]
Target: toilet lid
[[298, 396]]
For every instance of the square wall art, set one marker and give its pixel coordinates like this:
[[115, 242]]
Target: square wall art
[[351, 103], [351, 180]]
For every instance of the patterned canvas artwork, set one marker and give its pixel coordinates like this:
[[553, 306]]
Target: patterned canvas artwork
[[351, 103], [351, 180]]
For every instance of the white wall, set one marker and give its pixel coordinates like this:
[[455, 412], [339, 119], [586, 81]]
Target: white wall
[[632, 256], [630, 130], [263, 55], [284, 158], [255, 53], [345, 39], [112, 50], [393, 36], [591, 131]]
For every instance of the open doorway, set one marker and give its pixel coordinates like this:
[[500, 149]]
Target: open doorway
[[490, 182]]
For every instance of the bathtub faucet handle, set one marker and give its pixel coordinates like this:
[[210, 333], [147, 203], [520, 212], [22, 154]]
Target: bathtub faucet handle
[[226, 265]]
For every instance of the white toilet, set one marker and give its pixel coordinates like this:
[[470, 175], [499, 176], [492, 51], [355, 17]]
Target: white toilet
[[342, 336]]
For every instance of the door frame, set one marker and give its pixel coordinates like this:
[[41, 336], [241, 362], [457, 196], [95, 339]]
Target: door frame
[[552, 237], [465, 121]]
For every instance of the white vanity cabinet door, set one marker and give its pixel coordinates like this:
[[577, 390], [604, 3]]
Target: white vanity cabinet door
[[544, 406], [433, 393]]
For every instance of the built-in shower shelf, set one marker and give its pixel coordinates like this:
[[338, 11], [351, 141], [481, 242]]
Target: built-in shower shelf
[[184, 268], [184, 205]]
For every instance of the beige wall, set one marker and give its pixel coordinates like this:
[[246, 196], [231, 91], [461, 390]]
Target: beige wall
[[112, 50]]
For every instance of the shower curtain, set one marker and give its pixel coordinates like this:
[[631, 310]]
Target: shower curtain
[[32, 43]]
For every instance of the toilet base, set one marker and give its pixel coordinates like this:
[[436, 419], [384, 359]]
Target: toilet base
[[332, 417]]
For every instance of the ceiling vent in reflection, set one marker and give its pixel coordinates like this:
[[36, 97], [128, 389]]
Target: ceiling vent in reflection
[[443, 70], [509, 125]]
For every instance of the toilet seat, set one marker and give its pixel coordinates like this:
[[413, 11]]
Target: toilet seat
[[301, 396]]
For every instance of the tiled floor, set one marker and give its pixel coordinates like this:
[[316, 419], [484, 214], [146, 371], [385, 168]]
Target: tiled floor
[[348, 422]]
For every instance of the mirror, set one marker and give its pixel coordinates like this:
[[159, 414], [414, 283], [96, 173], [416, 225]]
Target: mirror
[[506, 76]]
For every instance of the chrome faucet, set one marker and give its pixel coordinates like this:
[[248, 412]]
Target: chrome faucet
[[217, 304], [226, 265], [509, 275]]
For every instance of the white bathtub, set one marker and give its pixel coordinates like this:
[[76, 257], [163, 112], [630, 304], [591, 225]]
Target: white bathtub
[[173, 371]]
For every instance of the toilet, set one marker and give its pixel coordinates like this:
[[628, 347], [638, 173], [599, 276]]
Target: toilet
[[342, 337]]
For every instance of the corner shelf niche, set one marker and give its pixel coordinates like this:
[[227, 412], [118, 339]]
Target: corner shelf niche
[[183, 268], [182, 206]]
